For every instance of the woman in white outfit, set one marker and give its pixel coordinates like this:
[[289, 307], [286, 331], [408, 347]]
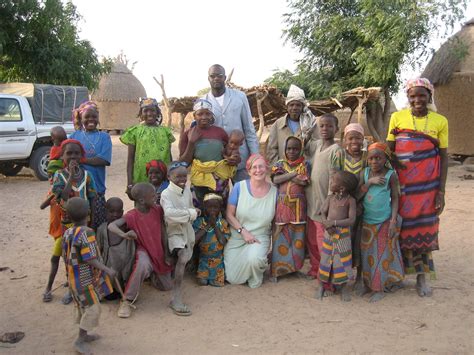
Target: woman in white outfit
[[250, 212]]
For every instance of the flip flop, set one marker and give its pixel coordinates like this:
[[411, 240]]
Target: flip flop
[[47, 296], [183, 311], [12, 338], [67, 298]]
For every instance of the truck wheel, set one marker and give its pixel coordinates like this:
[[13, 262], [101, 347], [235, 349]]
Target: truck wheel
[[10, 169], [39, 162]]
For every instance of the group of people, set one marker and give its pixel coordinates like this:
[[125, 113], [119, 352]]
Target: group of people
[[346, 205]]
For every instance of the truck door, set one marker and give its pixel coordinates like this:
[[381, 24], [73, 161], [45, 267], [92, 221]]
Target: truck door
[[16, 132]]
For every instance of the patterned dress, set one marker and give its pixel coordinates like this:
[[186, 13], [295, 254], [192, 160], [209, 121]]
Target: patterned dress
[[290, 220], [151, 143], [211, 256], [87, 284], [336, 257]]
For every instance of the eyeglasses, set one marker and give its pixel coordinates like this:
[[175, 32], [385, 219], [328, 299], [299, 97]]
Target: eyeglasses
[[214, 76]]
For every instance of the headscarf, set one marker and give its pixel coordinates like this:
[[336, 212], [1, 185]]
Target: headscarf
[[293, 163], [307, 119], [177, 164], [252, 159], [77, 113], [72, 141], [157, 164], [354, 127], [424, 83], [212, 196], [148, 102], [202, 104], [382, 147], [420, 82]]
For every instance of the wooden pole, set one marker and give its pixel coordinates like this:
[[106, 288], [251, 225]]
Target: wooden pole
[[260, 98], [161, 84]]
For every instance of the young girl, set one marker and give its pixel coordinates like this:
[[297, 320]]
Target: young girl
[[339, 214], [353, 159], [382, 266], [291, 175], [157, 176], [146, 141], [324, 152], [180, 213], [98, 148], [212, 233], [72, 181]]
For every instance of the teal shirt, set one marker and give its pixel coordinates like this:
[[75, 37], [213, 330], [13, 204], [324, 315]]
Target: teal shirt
[[377, 201]]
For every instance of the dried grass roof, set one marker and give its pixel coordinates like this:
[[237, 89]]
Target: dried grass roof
[[447, 59], [273, 104], [120, 85]]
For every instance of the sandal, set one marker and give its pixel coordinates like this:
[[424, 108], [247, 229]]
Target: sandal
[[12, 338], [47, 296], [67, 298], [180, 311]]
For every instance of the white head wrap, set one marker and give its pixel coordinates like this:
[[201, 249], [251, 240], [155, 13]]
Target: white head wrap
[[307, 119]]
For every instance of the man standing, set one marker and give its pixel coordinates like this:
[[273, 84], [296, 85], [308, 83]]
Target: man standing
[[299, 122], [232, 111]]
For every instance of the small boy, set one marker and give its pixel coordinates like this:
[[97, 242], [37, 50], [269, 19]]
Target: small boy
[[58, 135], [118, 253], [324, 152], [146, 227], [177, 204], [231, 151], [85, 272]]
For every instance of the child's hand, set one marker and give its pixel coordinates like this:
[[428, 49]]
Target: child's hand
[[392, 228], [327, 223], [234, 159], [299, 180], [73, 168], [198, 211], [130, 235], [376, 180], [212, 220], [168, 259]]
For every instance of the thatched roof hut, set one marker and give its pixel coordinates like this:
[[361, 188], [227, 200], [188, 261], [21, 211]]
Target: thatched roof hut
[[118, 96], [451, 69]]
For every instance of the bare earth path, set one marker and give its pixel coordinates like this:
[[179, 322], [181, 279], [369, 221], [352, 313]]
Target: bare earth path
[[276, 318]]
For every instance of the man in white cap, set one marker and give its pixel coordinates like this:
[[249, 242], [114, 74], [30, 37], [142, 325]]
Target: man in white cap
[[232, 112], [298, 122]]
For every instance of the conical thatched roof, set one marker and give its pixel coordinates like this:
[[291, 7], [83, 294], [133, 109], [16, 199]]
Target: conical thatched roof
[[120, 85], [455, 55]]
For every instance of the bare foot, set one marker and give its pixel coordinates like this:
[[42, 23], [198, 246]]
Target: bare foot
[[362, 291], [202, 282], [377, 296], [320, 293], [345, 294], [358, 287], [422, 288], [273, 279], [81, 347], [91, 337], [328, 293]]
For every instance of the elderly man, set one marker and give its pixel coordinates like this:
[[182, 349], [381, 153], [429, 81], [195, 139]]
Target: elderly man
[[232, 111], [299, 122]]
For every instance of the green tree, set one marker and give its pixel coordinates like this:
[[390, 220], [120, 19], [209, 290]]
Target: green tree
[[350, 43], [39, 43]]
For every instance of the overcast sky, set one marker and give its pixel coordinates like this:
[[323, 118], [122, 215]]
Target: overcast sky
[[182, 38]]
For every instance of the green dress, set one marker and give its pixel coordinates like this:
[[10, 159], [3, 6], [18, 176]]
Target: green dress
[[151, 143]]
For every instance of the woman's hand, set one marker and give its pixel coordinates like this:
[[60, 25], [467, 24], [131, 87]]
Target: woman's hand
[[439, 202], [376, 180], [248, 237], [128, 191], [194, 135]]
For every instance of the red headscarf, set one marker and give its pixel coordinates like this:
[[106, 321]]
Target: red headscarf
[[157, 164], [382, 147], [72, 141]]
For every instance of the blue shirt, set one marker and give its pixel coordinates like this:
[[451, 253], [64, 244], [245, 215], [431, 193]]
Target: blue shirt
[[96, 144], [293, 125]]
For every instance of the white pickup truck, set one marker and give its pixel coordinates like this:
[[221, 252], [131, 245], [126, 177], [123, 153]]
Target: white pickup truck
[[27, 114]]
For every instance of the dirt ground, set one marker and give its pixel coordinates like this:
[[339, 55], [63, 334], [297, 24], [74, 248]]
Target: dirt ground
[[275, 318]]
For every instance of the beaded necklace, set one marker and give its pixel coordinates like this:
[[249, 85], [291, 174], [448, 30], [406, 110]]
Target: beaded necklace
[[426, 122]]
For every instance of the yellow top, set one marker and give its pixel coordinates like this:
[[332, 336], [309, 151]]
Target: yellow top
[[202, 173], [434, 124]]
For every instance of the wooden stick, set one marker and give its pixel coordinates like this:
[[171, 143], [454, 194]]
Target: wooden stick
[[119, 288]]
